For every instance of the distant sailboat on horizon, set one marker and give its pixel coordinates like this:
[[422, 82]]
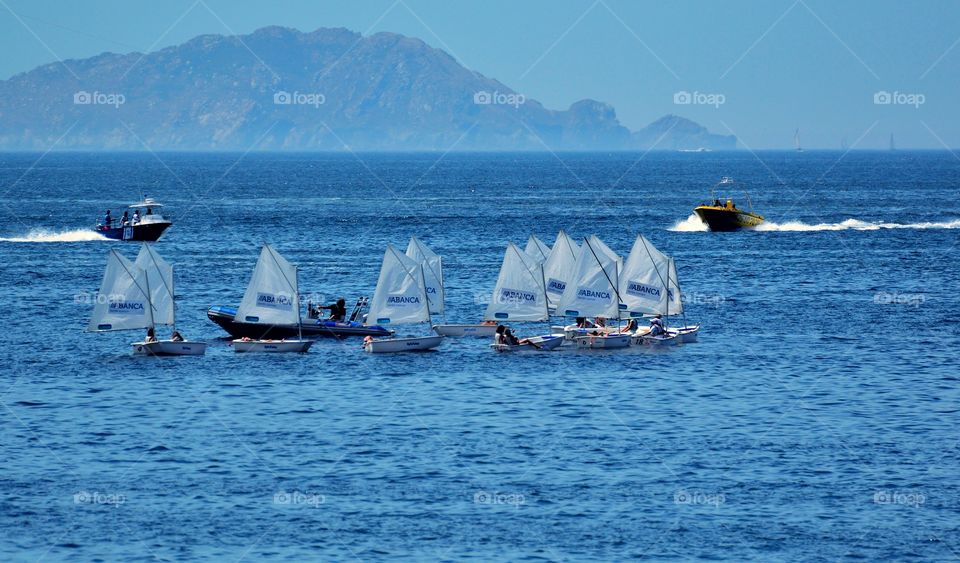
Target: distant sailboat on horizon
[[893, 146], [796, 141]]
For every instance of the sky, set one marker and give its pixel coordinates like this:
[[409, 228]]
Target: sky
[[847, 72]]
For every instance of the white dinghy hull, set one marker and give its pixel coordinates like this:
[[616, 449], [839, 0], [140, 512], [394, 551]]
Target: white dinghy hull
[[609, 341], [406, 344], [484, 330], [669, 339], [534, 344], [687, 333], [169, 348], [271, 346]]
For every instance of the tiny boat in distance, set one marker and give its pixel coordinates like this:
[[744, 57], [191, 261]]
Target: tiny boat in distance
[[145, 223], [727, 216]]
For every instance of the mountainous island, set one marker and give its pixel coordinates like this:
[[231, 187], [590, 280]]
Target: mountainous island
[[281, 89]]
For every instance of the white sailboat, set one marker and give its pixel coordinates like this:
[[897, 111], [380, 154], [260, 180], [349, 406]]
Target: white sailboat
[[125, 302], [272, 298], [160, 280], [593, 291], [537, 248], [796, 141], [649, 286], [520, 295], [400, 298]]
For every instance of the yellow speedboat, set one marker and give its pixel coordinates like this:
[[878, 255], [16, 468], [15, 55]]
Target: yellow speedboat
[[727, 216]]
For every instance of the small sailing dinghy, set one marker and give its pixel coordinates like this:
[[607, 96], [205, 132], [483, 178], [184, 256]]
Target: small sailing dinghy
[[646, 289], [137, 297], [400, 298], [436, 295], [272, 298], [559, 267], [593, 291], [520, 295]]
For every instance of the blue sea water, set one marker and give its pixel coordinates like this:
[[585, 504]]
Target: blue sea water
[[816, 418]]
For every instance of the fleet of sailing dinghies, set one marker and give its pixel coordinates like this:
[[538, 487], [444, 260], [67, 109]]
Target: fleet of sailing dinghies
[[401, 298], [139, 296], [272, 298], [589, 282]]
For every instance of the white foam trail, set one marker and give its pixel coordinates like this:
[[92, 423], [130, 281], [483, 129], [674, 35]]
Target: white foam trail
[[691, 224], [852, 224], [44, 235]]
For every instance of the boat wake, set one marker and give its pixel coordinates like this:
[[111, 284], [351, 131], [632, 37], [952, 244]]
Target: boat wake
[[691, 224], [44, 235], [852, 225], [694, 224]]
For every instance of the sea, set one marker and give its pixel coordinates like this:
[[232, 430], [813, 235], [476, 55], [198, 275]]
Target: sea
[[816, 419]]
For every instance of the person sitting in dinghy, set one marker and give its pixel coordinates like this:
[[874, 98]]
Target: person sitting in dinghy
[[582, 322], [656, 327], [151, 336], [176, 336], [505, 336], [630, 328], [338, 311]]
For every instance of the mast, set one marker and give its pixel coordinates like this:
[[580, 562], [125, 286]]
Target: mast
[[443, 290], [423, 288], [296, 293], [173, 297]]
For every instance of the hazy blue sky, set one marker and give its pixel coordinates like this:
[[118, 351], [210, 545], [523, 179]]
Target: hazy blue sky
[[779, 64]]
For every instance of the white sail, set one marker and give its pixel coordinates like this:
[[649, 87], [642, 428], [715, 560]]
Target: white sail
[[519, 294], [537, 248], [122, 302], [592, 291], [432, 272], [400, 297], [160, 279], [674, 295], [271, 296], [643, 280], [559, 267]]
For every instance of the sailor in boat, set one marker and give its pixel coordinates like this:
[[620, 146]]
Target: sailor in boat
[[149, 211], [582, 322], [730, 205], [151, 336], [136, 216], [505, 336], [600, 322], [176, 336], [630, 327], [338, 311], [125, 220], [107, 220], [656, 327]]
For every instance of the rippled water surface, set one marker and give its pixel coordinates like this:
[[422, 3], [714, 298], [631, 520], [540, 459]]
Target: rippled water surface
[[816, 419]]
